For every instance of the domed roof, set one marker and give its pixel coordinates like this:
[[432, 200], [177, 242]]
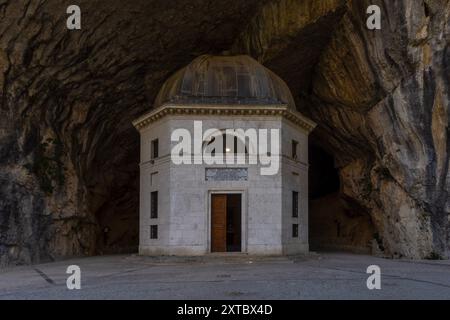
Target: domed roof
[[225, 80]]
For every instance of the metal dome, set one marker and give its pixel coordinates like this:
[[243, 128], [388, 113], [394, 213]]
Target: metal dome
[[225, 80]]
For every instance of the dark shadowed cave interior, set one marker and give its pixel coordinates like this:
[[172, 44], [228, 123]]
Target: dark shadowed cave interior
[[334, 223]]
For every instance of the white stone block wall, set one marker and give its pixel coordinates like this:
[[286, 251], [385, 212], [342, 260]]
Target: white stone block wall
[[184, 195], [295, 178], [154, 177]]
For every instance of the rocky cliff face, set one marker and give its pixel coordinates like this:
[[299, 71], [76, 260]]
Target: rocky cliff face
[[69, 155], [382, 101]]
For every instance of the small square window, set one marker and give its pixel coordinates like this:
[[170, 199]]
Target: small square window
[[294, 149], [154, 232], [295, 231], [154, 205], [294, 204], [155, 149]]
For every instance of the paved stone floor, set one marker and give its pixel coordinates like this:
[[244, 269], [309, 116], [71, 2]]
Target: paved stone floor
[[321, 276]]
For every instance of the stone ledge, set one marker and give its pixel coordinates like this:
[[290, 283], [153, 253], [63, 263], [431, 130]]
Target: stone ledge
[[225, 110]]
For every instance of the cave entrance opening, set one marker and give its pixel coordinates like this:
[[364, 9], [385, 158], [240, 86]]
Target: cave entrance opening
[[336, 222], [114, 198]]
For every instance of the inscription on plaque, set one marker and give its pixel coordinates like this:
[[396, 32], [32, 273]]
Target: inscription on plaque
[[226, 174]]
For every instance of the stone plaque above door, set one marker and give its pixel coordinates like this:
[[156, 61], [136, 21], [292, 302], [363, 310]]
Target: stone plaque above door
[[226, 174]]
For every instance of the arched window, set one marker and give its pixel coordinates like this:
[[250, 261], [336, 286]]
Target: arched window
[[222, 142]]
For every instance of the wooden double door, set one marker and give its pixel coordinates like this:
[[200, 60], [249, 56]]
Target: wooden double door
[[226, 224]]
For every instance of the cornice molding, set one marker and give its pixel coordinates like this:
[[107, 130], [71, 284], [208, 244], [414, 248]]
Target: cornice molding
[[224, 110]]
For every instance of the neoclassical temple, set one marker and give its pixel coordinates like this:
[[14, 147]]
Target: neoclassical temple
[[224, 163]]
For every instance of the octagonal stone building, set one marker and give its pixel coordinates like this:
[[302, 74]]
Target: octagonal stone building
[[203, 187]]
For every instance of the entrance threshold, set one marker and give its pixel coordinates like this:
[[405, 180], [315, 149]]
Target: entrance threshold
[[227, 254]]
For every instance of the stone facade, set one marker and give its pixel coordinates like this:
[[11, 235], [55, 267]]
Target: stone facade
[[184, 192]]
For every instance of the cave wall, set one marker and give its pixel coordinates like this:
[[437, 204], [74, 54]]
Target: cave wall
[[381, 99], [69, 155], [385, 97], [338, 224], [68, 152]]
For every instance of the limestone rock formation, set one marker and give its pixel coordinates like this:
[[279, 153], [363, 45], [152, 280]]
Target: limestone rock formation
[[69, 154], [381, 99]]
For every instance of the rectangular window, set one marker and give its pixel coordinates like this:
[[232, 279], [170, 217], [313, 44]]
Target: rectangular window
[[154, 205], [294, 204], [154, 178], [294, 149], [155, 147], [154, 232], [295, 231]]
